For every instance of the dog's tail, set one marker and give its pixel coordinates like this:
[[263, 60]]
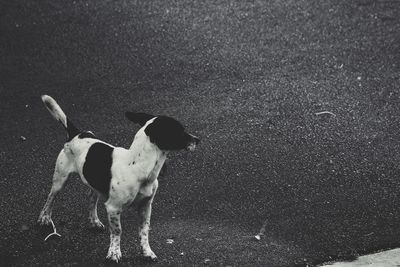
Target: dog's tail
[[58, 114]]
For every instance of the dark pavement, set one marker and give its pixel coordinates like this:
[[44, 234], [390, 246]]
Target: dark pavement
[[249, 78]]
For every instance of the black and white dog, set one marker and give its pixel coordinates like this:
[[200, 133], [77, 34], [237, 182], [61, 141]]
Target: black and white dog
[[122, 176]]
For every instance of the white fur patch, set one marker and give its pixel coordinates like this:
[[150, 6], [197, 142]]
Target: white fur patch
[[54, 109]]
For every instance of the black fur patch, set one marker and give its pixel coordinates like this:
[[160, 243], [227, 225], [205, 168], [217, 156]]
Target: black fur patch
[[168, 134], [97, 167], [86, 135], [71, 130]]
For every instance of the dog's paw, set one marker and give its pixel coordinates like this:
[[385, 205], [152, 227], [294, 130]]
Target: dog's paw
[[96, 225], [114, 255], [150, 255]]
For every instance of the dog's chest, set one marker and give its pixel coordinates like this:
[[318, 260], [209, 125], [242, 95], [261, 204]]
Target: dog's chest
[[140, 174], [135, 172], [145, 191], [149, 183], [148, 186]]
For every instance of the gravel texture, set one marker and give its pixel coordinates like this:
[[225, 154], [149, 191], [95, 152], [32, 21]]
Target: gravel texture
[[253, 79]]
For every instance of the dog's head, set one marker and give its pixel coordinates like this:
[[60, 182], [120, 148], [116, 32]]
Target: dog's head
[[165, 132]]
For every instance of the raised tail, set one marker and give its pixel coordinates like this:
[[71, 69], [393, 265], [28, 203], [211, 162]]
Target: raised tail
[[56, 111]]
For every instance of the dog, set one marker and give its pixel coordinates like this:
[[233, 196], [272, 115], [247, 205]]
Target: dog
[[122, 176]]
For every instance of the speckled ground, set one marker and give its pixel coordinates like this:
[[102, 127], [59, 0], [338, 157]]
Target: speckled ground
[[250, 78]]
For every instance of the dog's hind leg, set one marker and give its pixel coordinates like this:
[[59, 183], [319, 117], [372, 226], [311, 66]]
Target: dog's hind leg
[[63, 168], [94, 222]]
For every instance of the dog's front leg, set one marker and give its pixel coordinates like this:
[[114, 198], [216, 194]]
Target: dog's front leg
[[144, 210], [144, 226], [114, 215]]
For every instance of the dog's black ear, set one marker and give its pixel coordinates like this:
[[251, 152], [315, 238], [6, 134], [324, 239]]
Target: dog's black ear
[[138, 117]]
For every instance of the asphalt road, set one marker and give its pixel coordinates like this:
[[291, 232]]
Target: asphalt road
[[250, 78]]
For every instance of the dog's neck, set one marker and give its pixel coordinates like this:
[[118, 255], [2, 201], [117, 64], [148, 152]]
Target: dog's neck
[[142, 145], [144, 152]]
